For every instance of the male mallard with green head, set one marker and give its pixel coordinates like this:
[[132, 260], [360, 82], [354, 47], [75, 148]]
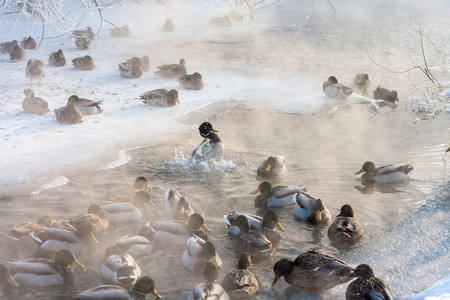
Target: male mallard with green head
[[118, 212], [34, 105], [212, 147], [7, 283], [367, 286], [172, 70], [241, 283], [279, 195], [119, 268], [85, 106], [345, 229], [311, 209], [385, 174], [312, 270], [137, 245], [332, 88], [160, 98], [209, 289], [177, 207], [57, 59], [198, 252]]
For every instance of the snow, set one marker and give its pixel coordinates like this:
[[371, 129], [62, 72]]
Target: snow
[[438, 291]]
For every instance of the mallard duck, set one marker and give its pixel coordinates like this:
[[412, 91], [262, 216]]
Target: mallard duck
[[193, 81], [126, 211], [68, 114], [279, 195], [273, 166], [345, 229], [367, 286], [211, 148], [26, 228], [35, 69], [34, 105], [83, 63], [312, 270], [241, 283], [121, 32], [168, 26], [265, 225], [119, 268], [95, 216], [198, 252], [311, 209], [252, 242], [28, 43], [82, 43], [173, 70], [145, 62], [133, 70], [57, 59], [127, 194], [17, 54], [44, 272], [385, 94], [332, 88], [7, 283], [143, 286], [51, 240], [179, 232], [385, 174], [85, 106], [8, 47], [209, 289], [177, 207], [224, 21], [137, 245], [361, 79], [84, 33], [160, 98]]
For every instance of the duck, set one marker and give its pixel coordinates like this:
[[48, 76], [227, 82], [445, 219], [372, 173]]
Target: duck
[[241, 283], [209, 289], [83, 63], [367, 286], [252, 242], [7, 283], [198, 252], [85, 106], [192, 81], [160, 98], [81, 241], [132, 70], [127, 194], [137, 245], [179, 232], [361, 79], [68, 114], [311, 209], [273, 166], [18, 54], [345, 229], [28, 43], [312, 270], [34, 105], [83, 43], [145, 285], [279, 195], [265, 225], [84, 33], [45, 272], [385, 174], [24, 229], [236, 16], [177, 207], [121, 32], [168, 26], [211, 148], [35, 69], [145, 62], [126, 211], [385, 94], [224, 21], [332, 88], [57, 59], [173, 70], [95, 216], [8, 47], [120, 269]]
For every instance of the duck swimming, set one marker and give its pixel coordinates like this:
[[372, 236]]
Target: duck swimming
[[127, 194], [7, 283], [118, 212], [95, 216], [367, 286], [345, 229], [332, 88], [137, 245], [279, 195], [212, 147], [385, 174], [198, 252], [34, 105], [311, 209], [209, 289], [120, 269], [273, 166], [241, 283], [177, 207]]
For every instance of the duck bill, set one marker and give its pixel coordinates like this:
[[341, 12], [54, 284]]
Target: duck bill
[[213, 130], [215, 261], [278, 225], [154, 292], [12, 281], [77, 264], [318, 216], [257, 191], [205, 228], [92, 238], [178, 101], [269, 166], [275, 280], [447, 149], [180, 210], [151, 203], [359, 172]]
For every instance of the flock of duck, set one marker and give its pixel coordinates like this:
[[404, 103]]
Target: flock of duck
[[254, 238]]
